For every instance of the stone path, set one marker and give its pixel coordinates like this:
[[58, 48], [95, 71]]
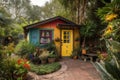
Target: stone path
[[70, 70]]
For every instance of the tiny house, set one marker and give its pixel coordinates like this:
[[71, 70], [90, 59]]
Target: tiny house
[[62, 31]]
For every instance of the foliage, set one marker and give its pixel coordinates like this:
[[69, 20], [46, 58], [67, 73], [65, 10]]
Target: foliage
[[50, 47], [9, 49], [8, 26], [5, 21], [46, 68], [7, 68], [52, 55], [88, 30], [109, 9], [24, 48], [18, 7], [44, 55], [12, 67], [76, 52], [4, 18], [110, 69], [21, 67]]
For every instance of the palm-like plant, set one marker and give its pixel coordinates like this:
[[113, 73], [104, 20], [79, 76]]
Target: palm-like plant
[[87, 30], [110, 69]]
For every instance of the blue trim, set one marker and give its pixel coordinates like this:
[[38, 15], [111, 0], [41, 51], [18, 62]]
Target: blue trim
[[34, 36]]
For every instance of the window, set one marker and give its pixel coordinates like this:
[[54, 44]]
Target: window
[[66, 37], [45, 36]]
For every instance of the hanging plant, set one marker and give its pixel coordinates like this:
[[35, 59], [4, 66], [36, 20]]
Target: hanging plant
[[57, 39]]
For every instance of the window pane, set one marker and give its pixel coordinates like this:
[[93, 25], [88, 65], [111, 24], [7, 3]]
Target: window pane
[[42, 33], [45, 40], [45, 36], [64, 32], [64, 41], [65, 37], [68, 41]]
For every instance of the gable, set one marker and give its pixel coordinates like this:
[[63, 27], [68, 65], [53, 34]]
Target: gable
[[54, 19]]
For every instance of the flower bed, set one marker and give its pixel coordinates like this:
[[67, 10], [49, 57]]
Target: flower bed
[[46, 68]]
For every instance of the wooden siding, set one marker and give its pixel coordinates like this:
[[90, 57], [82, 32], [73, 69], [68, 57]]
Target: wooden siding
[[34, 34]]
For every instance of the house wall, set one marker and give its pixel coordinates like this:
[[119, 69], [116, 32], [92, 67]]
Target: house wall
[[34, 34]]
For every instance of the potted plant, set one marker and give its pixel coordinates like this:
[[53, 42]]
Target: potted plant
[[87, 31], [74, 55], [43, 57], [52, 57], [57, 39]]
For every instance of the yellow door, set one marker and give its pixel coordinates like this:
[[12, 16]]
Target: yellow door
[[67, 42]]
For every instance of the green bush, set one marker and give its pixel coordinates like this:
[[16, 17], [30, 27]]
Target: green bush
[[52, 55], [6, 69], [46, 68], [24, 48]]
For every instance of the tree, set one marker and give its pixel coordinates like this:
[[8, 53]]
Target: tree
[[87, 31], [77, 8], [4, 21], [17, 8], [33, 13]]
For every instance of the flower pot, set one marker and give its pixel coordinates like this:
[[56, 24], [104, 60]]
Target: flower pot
[[75, 57], [83, 51], [51, 60], [43, 61]]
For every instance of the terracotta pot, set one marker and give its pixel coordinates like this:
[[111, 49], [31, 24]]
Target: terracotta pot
[[75, 57], [51, 60], [83, 51], [43, 61]]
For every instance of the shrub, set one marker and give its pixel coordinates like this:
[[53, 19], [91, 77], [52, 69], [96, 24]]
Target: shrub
[[52, 55], [44, 55], [13, 68], [46, 68], [24, 48]]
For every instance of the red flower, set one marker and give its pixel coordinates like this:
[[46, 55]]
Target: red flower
[[27, 66], [19, 61]]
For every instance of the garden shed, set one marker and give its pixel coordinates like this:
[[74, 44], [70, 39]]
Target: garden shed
[[62, 31]]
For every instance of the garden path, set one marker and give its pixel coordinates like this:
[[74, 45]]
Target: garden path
[[71, 70]]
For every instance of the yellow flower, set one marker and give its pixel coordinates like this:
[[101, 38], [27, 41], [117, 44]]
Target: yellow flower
[[110, 17], [108, 30]]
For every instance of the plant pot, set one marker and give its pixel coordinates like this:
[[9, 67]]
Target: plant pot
[[83, 51], [75, 57], [43, 61], [51, 60]]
